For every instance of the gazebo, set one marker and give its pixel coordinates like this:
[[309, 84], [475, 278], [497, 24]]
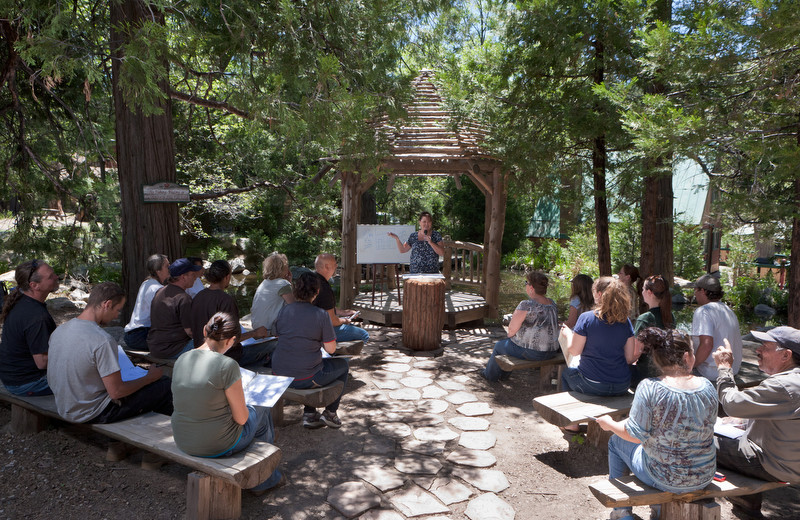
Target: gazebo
[[427, 142]]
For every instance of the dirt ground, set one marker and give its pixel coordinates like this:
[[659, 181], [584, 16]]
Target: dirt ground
[[62, 472]]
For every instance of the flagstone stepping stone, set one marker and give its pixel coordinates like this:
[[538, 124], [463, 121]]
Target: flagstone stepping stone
[[381, 514], [451, 385], [424, 481], [397, 367], [432, 406], [431, 448], [384, 375], [377, 445], [449, 491], [472, 458], [405, 394], [381, 478], [415, 501], [461, 398], [435, 433], [433, 392], [377, 337], [352, 498], [484, 479], [474, 409], [389, 416], [424, 419], [395, 430], [416, 382], [400, 407], [417, 464], [416, 372], [463, 378], [489, 505], [387, 384], [468, 424], [426, 364], [477, 440]]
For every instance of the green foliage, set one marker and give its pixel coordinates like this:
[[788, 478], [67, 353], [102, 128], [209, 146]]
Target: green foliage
[[688, 251], [748, 292], [216, 252]]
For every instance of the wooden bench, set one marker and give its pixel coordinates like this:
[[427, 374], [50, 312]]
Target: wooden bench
[[214, 491], [629, 491], [316, 397], [547, 369], [572, 408]]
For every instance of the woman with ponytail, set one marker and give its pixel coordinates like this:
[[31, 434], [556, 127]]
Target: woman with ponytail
[[668, 439], [629, 275], [656, 295], [211, 418]]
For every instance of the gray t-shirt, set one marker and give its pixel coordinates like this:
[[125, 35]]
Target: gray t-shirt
[[202, 422], [81, 355], [268, 302]]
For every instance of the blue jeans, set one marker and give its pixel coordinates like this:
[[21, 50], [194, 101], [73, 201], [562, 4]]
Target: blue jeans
[[137, 338], [625, 457], [346, 332], [493, 372], [256, 355], [32, 389], [258, 427], [155, 397], [572, 379], [333, 369]]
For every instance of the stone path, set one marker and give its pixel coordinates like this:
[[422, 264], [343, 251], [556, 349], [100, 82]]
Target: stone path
[[437, 435]]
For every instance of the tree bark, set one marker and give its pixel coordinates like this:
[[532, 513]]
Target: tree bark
[[794, 261], [423, 313], [145, 155], [599, 157]]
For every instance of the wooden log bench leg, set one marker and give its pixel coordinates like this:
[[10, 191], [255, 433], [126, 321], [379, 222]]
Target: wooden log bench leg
[[26, 421], [548, 374], [706, 509], [211, 498], [277, 412]]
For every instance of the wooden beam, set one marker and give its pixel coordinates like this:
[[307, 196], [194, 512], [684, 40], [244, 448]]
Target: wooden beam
[[390, 183]]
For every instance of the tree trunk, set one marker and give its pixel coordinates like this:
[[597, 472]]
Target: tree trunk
[[794, 262], [599, 156], [423, 313], [657, 255], [145, 155]]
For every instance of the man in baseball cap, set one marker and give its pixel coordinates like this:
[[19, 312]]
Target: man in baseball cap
[[770, 450], [712, 322]]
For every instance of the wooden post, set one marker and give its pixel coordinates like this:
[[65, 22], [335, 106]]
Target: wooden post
[[423, 313], [707, 509], [25, 421], [493, 249], [350, 196], [210, 498]]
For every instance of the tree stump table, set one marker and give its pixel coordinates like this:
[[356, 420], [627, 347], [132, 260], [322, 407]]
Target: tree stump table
[[423, 312]]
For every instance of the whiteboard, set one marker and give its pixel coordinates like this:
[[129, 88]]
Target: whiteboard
[[374, 246]]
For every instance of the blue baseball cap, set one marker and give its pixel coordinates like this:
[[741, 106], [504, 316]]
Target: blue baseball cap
[[786, 337], [182, 266]]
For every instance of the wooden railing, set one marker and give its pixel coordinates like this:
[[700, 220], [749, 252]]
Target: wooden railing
[[463, 264]]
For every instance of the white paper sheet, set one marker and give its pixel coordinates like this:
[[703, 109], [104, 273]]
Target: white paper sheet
[[730, 429], [263, 389], [127, 369]]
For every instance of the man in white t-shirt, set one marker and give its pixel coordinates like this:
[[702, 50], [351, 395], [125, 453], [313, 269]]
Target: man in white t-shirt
[[83, 368], [713, 322]]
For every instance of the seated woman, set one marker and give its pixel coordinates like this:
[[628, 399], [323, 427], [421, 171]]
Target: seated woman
[[533, 330], [273, 293], [136, 330], [581, 299], [303, 329], [213, 300], [603, 338], [656, 295], [211, 418], [668, 439], [629, 275]]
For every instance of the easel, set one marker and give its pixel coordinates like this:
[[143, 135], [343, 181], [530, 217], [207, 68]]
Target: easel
[[396, 277]]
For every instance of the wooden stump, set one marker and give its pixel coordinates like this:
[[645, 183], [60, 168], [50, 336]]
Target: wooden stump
[[423, 313]]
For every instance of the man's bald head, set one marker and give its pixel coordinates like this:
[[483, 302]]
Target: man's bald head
[[325, 264]]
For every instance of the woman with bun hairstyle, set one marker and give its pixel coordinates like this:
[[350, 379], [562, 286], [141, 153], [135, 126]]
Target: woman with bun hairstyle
[[629, 275], [668, 439], [655, 293], [211, 418], [533, 330], [603, 338], [581, 299]]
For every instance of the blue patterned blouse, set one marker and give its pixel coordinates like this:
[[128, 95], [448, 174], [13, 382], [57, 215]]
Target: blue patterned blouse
[[423, 258], [676, 429]]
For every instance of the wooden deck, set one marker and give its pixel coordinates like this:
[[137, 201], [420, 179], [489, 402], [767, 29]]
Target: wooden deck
[[460, 307]]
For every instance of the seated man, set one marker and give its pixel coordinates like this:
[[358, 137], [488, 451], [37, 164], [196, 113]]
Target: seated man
[[770, 450], [84, 367], [325, 265], [27, 326], [171, 313]]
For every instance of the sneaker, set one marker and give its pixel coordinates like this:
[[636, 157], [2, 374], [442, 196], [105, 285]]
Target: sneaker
[[312, 420], [330, 419]]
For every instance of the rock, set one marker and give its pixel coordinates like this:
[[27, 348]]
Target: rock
[[73, 283], [489, 505], [435, 433], [470, 424], [416, 382], [449, 491], [474, 409], [380, 478], [237, 265], [679, 299], [433, 392], [432, 406], [422, 447], [352, 498], [417, 502], [62, 304], [764, 312], [472, 458], [477, 440], [483, 479], [405, 394], [78, 294], [461, 398], [246, 272], [242, 243], [396, 430]]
